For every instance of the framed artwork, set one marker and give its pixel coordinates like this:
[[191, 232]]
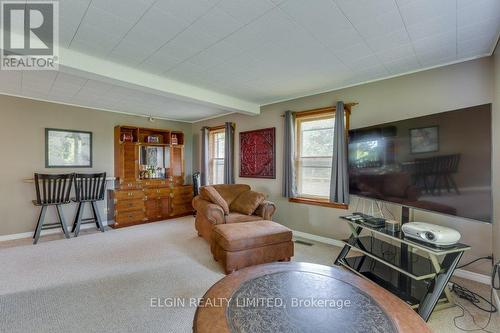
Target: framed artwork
[[258, 153], [68, 148], [424, 139]]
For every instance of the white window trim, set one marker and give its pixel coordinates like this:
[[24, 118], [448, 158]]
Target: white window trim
[[298, 158], [212, 161]]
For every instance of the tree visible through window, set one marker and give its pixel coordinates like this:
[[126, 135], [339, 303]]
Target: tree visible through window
[[216, 154], [314, 155]]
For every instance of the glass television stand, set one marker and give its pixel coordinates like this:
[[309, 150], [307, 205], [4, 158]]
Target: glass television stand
[[415, 272]]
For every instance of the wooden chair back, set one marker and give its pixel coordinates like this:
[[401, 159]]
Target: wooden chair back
[[53, 189], [90, 187], [448, 164]]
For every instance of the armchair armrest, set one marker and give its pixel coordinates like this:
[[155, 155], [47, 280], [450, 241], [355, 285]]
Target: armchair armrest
[[266, 210], [213, 212]]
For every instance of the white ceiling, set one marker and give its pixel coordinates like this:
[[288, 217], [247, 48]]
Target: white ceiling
[[72, 87], [260, 51]]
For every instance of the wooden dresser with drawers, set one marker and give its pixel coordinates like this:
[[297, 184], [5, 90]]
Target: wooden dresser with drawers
[[149, 168]]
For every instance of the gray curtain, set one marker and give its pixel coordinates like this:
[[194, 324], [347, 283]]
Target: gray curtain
[[204, 157], [289, 190], [339, 183], [228, 153]]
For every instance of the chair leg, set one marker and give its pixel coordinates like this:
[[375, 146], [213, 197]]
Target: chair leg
[[426, 186], [39, 225], [452, 181], [62, 221], [76, 216], [78, 221], [97, 217]]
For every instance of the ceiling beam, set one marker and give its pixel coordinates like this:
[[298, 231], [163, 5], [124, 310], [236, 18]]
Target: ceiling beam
[[187, 92], [114, 71]]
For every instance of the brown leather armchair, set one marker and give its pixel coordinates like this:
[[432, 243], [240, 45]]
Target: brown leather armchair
[[209, 214]]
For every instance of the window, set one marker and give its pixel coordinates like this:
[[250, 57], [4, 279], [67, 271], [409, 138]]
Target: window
[[216, 156], [368, 153], [314, 155]]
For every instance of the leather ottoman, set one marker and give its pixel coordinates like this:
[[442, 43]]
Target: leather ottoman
[[239, 245]]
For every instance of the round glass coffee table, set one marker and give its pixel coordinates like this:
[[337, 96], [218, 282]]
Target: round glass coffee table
[[302, 297]]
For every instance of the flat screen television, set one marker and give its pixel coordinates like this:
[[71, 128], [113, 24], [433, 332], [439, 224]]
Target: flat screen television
[[440, 162]]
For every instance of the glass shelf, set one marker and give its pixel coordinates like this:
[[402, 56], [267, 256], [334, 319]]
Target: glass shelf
[[399, 237], [410, 291], [405, 262]]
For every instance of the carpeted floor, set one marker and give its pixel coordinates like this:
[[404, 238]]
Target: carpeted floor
[[104, 282]]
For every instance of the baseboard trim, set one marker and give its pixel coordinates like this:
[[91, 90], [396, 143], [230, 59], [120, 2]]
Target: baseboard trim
[[477, 277], [29, 234], [316, 238], [497, 298]]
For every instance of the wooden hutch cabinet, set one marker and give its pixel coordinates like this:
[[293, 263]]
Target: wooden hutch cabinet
[[149, 171]]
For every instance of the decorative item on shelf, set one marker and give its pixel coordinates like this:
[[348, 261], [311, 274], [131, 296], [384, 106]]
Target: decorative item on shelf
[[392, 226], [153, 139], [174, 140], [258, 153], [127, 137]]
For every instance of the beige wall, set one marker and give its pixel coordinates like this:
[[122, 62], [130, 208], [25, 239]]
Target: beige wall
[[22, 151], [447, 88]]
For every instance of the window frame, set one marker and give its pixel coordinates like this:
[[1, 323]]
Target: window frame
[[315, 114], [298, 145], [212, 159]]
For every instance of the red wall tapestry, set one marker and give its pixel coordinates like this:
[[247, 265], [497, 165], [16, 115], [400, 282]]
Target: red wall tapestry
[[258, 154]]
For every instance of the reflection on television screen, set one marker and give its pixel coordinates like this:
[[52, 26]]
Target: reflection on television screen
[[440, 162]]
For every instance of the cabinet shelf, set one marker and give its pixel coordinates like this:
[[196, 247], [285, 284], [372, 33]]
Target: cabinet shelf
[[137, 199]]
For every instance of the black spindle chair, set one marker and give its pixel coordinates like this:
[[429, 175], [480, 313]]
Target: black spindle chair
[[88, 188], [196, 185], [446, 166], [52, 190]]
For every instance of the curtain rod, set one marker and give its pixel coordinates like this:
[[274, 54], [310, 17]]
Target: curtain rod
[[214, 128], [347, 106]]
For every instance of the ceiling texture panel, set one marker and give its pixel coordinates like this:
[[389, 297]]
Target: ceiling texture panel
[[247, 53]]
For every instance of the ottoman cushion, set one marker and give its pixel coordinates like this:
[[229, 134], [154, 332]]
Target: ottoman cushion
[[247, 235]]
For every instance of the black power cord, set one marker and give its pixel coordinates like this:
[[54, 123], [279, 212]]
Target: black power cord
[[475, 260], [477, 299], [474, 298]]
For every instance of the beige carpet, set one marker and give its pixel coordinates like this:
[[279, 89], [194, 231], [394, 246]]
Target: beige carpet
[[104, 282]]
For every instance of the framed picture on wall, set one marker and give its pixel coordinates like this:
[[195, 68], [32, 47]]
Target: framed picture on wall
[[424, 139], [68, 148], [258, 153]]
